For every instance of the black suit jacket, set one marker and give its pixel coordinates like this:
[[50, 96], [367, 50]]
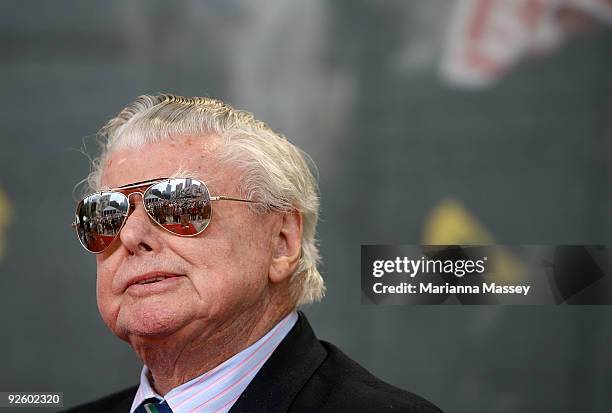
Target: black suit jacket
[[302, 375]]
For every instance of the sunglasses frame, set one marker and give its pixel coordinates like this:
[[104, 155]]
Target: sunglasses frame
[[149, 183]]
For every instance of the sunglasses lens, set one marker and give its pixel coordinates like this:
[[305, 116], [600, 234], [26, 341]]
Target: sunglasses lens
[[182, 206], [99, 218]]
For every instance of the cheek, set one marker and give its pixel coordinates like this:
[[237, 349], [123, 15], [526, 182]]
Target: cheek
[[107, 303], [229, 268]]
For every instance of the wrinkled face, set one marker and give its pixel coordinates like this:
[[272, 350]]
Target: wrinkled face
[[209, 279]]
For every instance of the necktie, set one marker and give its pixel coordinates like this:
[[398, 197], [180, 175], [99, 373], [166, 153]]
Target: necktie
[[153, 406]]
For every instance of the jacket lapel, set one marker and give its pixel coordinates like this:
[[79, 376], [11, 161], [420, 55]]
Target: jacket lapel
[[276, 385]]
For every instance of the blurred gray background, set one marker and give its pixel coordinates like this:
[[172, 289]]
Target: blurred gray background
[[430, 121]]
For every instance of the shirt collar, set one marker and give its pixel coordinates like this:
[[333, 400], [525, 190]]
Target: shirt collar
[[222, 385]]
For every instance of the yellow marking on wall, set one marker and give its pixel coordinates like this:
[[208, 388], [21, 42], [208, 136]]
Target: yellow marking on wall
[[450, 223], [6, 211]]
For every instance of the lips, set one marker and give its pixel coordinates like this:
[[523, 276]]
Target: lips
[[150, 278]]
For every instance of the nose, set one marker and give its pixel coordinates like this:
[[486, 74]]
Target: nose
[[138, 234]]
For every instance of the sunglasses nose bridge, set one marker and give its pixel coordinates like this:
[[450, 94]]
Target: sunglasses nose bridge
[[132, 204]]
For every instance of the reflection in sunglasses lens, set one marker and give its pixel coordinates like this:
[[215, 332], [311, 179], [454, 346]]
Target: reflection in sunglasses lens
[[99, 218], [182, 206]]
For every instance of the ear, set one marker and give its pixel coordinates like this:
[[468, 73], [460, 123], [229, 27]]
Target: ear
[[287, 244]]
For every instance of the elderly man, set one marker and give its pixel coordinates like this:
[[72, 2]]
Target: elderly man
[[208, 300]]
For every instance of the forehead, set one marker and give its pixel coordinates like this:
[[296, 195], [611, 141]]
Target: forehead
[[186, 155]]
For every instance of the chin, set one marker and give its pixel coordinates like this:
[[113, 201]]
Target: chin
[[148, 321]]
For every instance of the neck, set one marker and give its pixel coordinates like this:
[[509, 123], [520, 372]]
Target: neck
[[189, 353]]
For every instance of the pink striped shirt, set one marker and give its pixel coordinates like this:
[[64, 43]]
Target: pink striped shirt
[[218, 389]]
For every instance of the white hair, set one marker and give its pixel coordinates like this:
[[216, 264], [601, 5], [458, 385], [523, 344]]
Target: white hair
[[274, 171]]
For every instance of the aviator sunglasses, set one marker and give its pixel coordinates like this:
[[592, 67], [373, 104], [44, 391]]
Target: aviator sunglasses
[[182, 206]]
